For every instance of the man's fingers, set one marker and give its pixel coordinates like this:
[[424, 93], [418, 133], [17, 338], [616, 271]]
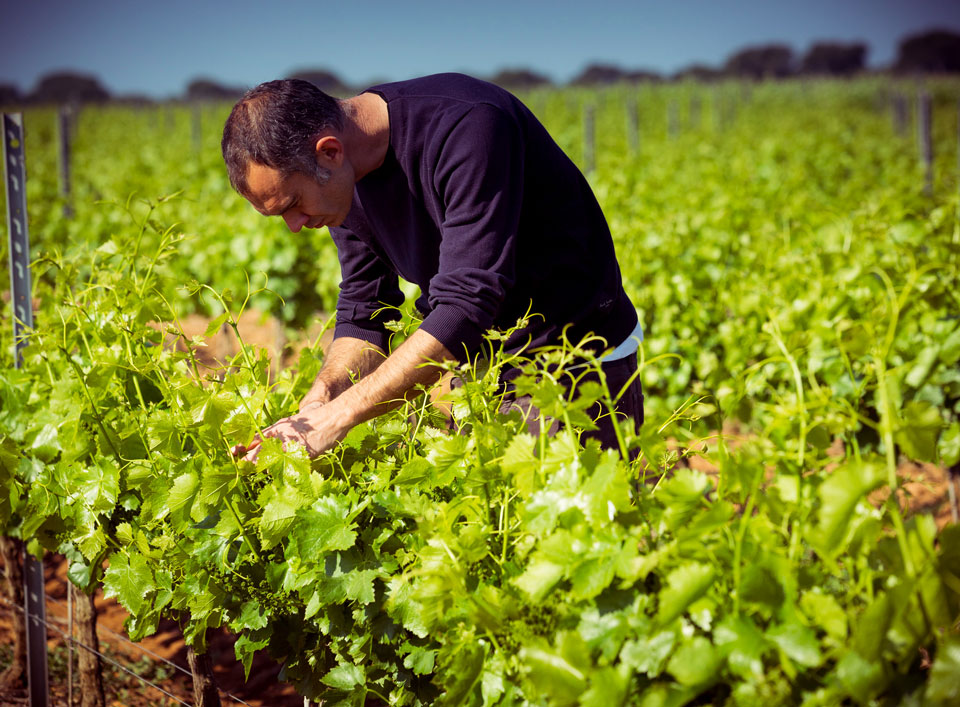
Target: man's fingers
[[240, 450], [287, 442], [251, 451], [281, 430]]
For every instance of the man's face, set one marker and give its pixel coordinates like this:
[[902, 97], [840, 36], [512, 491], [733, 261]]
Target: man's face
[[299, 198]]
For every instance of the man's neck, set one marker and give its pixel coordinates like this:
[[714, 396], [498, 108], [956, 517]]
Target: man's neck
[[366, 133]]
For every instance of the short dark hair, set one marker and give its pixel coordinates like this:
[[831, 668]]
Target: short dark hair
[[276, 125]]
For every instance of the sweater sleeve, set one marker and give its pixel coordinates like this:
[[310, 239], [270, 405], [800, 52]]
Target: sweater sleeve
[[479, 177], [369, 291]]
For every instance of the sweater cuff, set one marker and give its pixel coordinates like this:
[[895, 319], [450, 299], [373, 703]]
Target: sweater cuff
[[451, 327], [377, 337]]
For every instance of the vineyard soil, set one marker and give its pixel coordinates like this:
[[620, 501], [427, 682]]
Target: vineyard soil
[[262, 689]]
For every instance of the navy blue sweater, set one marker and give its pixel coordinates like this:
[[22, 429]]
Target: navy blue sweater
[[477, 205]]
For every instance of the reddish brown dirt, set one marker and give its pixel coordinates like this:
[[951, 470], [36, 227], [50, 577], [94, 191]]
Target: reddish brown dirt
[[263, 689], [924, 487], [256, 328]]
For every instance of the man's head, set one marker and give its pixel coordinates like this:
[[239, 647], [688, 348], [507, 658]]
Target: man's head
[[279, 142]]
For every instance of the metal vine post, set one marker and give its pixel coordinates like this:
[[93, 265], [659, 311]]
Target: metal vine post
[[20, 291]]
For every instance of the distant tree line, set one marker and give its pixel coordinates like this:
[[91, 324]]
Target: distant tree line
[[932, 52]]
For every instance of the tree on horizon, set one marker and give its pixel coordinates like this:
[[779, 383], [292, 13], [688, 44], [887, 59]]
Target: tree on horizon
[[936, 51], [68, 87]]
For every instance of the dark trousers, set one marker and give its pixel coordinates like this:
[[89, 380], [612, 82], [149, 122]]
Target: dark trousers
[[629, 406]]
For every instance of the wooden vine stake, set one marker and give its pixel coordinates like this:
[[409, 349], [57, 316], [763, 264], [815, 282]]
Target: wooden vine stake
[[900, 114], [716, 110], [64, 123], [730, 113], [89, 670], [633, 126], [204, 685], [14, 678], [34, 598], [197, 125], [673, 122], [589, 138], [694, 115], [70, 645], [925, 128], [880, 100]]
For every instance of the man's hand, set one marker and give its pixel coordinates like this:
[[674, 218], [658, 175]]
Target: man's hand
[[320, 425], [313, 428], [345, 359]]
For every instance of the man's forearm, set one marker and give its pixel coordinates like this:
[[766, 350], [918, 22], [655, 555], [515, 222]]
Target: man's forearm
[[345, 361], [400, 373], [320, 425]]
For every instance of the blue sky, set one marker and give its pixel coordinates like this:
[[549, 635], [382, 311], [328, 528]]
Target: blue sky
[[156, 48]]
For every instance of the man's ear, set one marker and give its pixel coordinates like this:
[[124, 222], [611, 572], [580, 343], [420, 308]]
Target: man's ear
[[329, 151]]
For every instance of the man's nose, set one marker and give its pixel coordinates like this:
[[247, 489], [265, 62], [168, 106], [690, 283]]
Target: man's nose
[[295, 220]]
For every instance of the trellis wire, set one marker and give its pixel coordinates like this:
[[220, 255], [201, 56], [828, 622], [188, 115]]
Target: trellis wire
[[126, 640], [149, 652], [133, 643], [63, 633]]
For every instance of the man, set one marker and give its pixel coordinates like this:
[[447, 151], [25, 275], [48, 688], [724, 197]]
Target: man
[[452, 184]]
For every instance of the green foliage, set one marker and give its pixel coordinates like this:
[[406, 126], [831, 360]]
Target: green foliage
[[782, 286]]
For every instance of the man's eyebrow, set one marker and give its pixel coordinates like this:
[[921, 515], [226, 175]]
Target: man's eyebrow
[[279, 212]]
